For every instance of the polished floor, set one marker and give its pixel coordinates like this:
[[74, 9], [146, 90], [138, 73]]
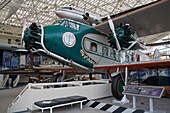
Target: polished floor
[[7, 96]]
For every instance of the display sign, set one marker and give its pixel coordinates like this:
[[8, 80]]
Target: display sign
[[145, 91]]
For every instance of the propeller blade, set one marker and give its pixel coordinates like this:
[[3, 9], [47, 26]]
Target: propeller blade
[[23, 29], [112, 27]]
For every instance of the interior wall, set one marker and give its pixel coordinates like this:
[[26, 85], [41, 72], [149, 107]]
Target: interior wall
[[1, 57], [5, 41]]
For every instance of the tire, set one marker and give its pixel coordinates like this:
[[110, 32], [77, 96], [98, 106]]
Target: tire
[[117, 87]]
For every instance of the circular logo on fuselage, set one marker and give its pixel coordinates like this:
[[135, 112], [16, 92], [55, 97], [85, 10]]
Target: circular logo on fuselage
[[69, 39]]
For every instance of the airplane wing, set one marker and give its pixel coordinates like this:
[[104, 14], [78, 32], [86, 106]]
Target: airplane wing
[[145, 20], [135, 66], [20, 71], [55, 69], [14, 48], [11, 47], [34, 71], [159, 43]]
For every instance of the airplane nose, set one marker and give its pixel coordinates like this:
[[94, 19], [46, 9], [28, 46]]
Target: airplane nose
[[32, 35], [58, 13]]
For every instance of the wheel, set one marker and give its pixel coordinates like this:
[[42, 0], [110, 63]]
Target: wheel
[[117, 87]]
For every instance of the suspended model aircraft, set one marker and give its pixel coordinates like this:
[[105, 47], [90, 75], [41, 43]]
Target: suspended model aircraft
[[78, 14], [100, 49]]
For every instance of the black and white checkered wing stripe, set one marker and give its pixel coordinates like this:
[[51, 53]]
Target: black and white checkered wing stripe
[[111, 108]]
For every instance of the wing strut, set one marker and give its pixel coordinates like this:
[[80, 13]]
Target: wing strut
[[23, 29]]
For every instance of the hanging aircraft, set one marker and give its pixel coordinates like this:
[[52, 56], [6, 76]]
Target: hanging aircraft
[[100, 48], [78, 14]]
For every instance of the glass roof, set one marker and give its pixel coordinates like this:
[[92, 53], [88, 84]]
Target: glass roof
[[43, 11]]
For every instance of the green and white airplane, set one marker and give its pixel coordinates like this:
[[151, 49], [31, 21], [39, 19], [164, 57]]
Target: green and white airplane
[[98, 47]]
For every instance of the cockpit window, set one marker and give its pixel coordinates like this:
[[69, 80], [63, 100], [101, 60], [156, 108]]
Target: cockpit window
[[73, 25], [67, 23], [61, 22], [55, 22], [105, 51], [64, 23]]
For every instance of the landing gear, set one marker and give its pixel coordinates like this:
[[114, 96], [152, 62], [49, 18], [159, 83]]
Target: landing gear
[[117, 86]]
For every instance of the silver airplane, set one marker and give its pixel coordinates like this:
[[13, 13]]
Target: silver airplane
[[78, 14]]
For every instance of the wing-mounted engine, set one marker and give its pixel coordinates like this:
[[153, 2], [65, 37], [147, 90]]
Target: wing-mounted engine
[[124, 35], [86, 16]]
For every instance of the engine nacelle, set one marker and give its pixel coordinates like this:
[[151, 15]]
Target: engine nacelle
[[124, 35]]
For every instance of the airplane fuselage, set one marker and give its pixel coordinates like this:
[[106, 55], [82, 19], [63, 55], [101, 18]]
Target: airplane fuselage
[[72, 41]]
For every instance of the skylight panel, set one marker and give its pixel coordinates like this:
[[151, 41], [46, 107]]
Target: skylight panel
[[32, 9], [123, 7], [130, 2]]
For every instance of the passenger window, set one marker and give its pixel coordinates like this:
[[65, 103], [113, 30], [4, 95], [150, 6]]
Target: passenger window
[[105, 51], [87, 44], [93, 47], [56, 22], [112, 53], [73, 25]]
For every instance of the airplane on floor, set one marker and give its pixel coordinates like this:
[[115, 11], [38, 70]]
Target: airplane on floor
[[104, 48]]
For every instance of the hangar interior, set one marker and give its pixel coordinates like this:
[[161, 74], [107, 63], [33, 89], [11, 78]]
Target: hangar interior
[[15, 12], [43, 12]]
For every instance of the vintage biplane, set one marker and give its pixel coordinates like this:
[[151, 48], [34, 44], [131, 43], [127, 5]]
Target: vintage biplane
[[102, 48]]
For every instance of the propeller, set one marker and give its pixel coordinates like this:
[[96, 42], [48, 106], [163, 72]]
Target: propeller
[[112, 27], [23, 29]]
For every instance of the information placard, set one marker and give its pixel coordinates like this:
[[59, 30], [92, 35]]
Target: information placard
[[145, 91]]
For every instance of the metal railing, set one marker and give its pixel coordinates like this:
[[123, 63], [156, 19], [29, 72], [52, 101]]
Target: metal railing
[[40, 86]]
